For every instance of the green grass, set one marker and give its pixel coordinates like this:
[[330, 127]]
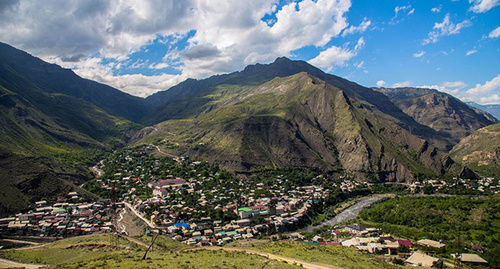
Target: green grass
[[334, 255], [101, 252]]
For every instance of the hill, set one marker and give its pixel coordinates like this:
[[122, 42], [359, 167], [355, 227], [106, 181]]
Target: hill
[[54, 79], [51, 125], [298, 120], [447, 115], [480, 150], [190, 98]]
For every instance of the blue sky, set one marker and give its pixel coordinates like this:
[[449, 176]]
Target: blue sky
[[141, 47]]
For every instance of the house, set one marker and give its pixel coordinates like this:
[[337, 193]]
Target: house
[[354, 228], [421, 259], [471, 258], [160, 192], [430, 243], [245, 212]]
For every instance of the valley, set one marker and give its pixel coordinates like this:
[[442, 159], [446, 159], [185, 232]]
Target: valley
[[255, 168]]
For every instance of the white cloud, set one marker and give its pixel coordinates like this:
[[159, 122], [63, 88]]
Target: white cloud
[[336, 56], [437, 9], [492, 85], [470, 52], [399, 9], [418, 54], [445, 28], [225, 35], [357, 29], [490, 100], [158, 66], [481, 6], [495, 33], [454, 84], [380, 83], [360, 65], [401, 84]]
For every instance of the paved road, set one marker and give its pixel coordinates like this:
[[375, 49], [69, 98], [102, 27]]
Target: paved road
[[140, 216], [348, 213], [12, 264], [271, 256]]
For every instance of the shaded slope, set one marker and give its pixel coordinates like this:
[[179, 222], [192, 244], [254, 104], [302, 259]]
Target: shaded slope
[[299, 121], [493, 110], [190, 98], [52, 78], [480, 150], [447, 115]]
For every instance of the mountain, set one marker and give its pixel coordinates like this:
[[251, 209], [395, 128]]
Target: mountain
[[480, 150], [53, 122], [53, 79], [447, 115], [191, 97], [490, 109], [297, 120]]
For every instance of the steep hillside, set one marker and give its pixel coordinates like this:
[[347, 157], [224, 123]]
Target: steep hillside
[[48, 129], [480, 150], [298, 120], [450, 117], [190, 98], [52, 78]]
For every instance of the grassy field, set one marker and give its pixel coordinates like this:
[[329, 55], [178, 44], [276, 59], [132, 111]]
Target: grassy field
[[334, 255], [106, 251]]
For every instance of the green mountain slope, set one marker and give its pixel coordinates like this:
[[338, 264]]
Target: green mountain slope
[[447, 115], [52, 78], [191, 97], [480, 150], [298, 120], [47, 134]]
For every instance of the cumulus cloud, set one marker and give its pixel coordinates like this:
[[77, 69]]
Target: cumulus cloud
[[357, 29], [336, 56], [486, 93], [481, 6], [492, 85], [224, 35], [401, 84], [445, 28], [495, 33], [380, 83], [418, 54]]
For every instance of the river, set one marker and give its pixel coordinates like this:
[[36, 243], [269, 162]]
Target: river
[[348, 213]]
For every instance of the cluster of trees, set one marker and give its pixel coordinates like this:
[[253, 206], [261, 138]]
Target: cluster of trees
[[474, 221]]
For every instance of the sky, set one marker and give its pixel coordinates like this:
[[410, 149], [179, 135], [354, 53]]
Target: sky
[[141, 47]]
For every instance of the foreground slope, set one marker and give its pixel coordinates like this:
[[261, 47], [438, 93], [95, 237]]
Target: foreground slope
[[480, 150], [447, 115], [298, 120]]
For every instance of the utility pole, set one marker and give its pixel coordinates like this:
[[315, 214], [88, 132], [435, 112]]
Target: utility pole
[[151, 245]]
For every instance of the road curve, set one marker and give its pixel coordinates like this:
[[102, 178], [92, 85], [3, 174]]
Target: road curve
[[12, 264]]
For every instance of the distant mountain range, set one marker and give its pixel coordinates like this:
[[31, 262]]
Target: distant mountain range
[[491, 109], [287, 113]]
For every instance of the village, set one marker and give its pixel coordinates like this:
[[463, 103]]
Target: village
[[199, 204]]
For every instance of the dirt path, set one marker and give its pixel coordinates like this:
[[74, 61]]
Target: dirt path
[[21, 242], [12, 264], [290, 260]]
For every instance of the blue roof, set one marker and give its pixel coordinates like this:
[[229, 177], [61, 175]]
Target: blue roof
[[183, 224]]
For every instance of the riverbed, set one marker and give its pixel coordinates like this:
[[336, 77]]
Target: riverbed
[[348, 213]]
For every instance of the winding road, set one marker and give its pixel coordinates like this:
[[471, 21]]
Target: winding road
[[290, 260]]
